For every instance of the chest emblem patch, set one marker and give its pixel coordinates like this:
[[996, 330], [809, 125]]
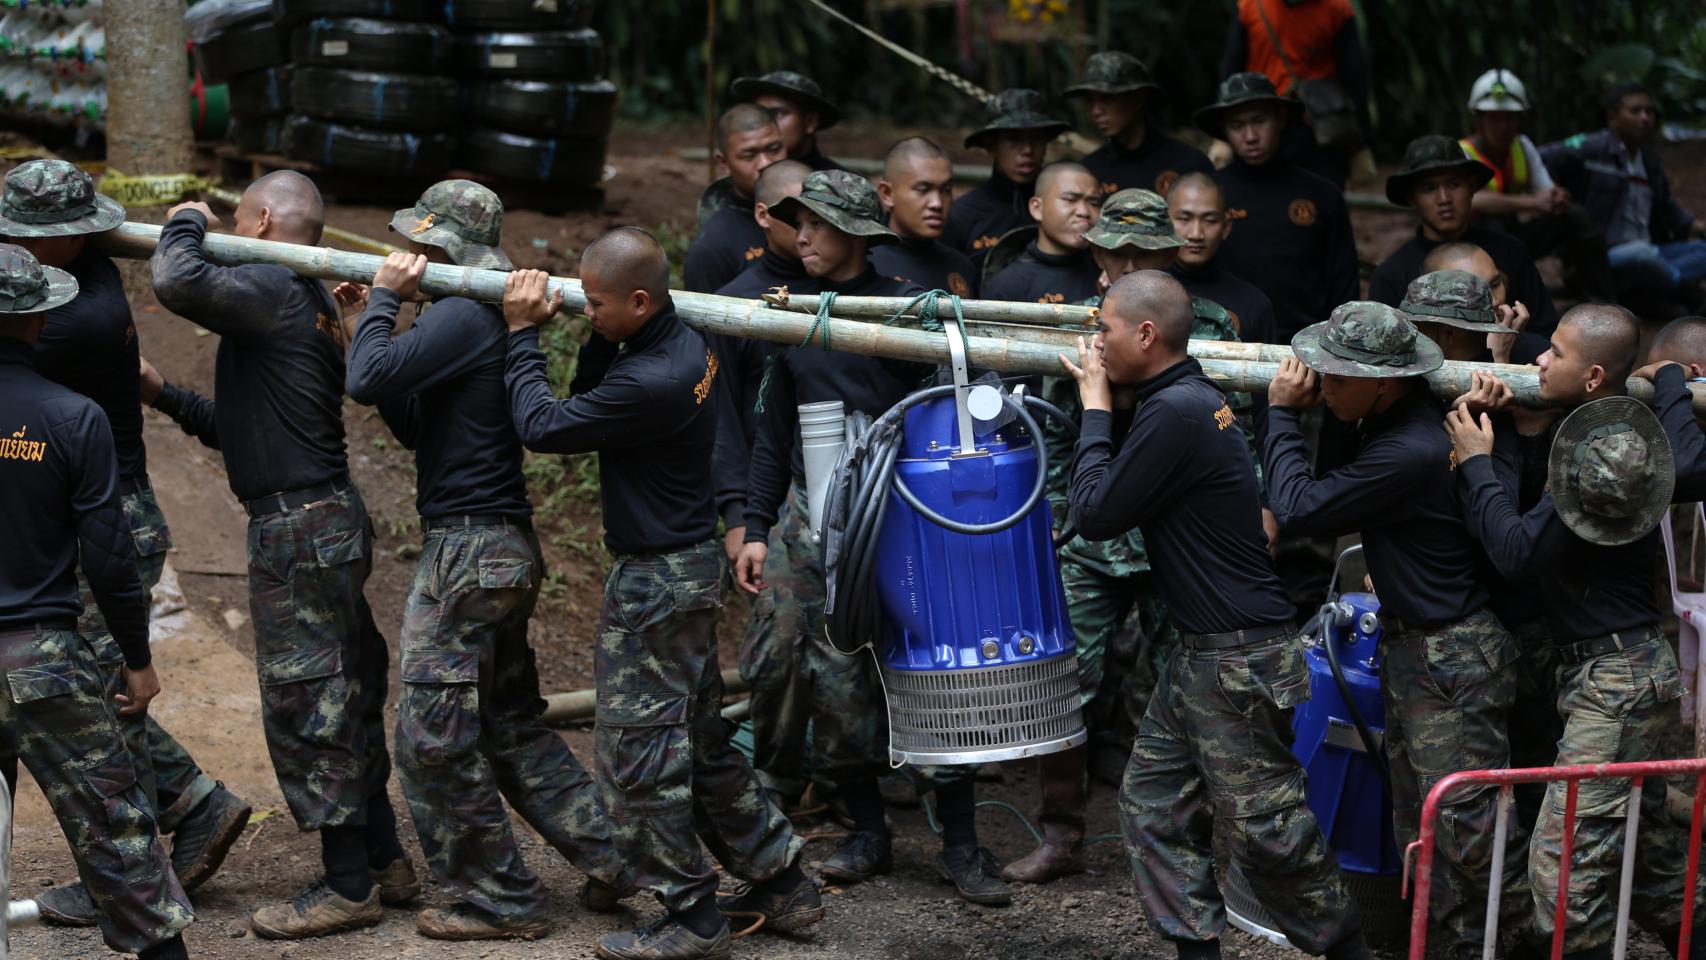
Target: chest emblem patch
[[753, 253], [958, 286], [985, 242], [1302, 212], [1165, 180]]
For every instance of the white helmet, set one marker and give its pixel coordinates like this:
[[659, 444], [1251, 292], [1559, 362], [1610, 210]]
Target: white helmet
[[1498, 89]]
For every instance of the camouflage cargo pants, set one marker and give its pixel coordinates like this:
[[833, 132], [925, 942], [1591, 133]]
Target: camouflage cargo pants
[[170, 779], [1113, 678], [1216, 745], [55, 717], [321, 660], [1616, 709], [1448, 694], [469, 734], [667, 774], [797, 677]]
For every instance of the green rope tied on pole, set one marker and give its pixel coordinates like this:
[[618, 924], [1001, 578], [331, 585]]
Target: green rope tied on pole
[[929, 304], [820, 325]]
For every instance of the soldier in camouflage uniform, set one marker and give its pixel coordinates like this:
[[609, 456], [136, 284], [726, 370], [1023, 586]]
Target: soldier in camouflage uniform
[[1589, 545], [1450, 665], [320, 660], [1108, 582], [668, 776], [50, 207], [469, 734], [1215, 742], [59, 489]]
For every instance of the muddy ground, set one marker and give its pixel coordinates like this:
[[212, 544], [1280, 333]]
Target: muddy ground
[[210, 700]]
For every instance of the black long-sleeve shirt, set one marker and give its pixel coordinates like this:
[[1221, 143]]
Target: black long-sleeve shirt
[[727, 244], [440, 388], [1153, 165], [279, 375], [651, 420], [59, 491], [1392, 278], [1038, 277], [741, 365], [1183, 476], [1674, 405], [981, 216], [1252, 314], [931, 264], [813, 375], [90, 346], [1586, 590], [1292, 241], [1398, 494]]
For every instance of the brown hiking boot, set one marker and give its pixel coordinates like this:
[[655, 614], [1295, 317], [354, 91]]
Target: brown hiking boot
[[1060, 854], [397, 883], [1065, 795], [779, 911], [463, 922], [665, 939], [316, 912], [206, 835]]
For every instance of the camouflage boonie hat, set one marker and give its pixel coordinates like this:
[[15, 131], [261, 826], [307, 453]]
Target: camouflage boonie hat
[[1134, 218], [28, 287], [846, 200], [1434, 153], [1611, 471], [53, 198], [1240, 90], [790, 86], [1456, 298], [1366, 339], [1016, 109], [460, 216], [1113, 72]]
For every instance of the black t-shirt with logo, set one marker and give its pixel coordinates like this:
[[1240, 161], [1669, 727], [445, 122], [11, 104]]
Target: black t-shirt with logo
[[728, 243], [983, 215], [1154, 165], [1292, 239], [1038, 277], [931, 264]]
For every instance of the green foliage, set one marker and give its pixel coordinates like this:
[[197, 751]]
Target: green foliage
[[1423, 55]]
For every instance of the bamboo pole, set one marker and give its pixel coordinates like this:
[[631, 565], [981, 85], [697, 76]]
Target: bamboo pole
[[1236, 366]]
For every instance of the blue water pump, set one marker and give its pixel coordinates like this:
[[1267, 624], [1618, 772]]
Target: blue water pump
[[1339, 739], [939, 555]]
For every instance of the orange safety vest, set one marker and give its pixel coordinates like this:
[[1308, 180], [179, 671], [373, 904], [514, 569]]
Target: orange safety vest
[[1510, 178]]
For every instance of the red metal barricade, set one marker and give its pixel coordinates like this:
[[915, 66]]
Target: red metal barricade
[[1421, 852]]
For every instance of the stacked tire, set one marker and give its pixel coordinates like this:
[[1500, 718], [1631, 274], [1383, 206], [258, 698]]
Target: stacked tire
[[533, 79], [235, 44], [369, 87]]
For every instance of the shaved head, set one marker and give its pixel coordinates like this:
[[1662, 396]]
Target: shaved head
[[1197, 181], [741, 118], [1607, 335], [1682, 340], [628, 259], [1056, 174], [292, 206], [781, 180], [1158, 298], [905, 153]]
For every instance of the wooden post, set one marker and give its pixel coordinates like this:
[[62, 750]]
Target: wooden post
[[148, 117], [711, 90], [1236, 366]]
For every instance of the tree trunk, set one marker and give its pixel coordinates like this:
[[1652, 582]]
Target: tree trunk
[[148, 117]]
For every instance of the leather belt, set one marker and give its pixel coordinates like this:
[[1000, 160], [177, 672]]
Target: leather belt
[[1584, 650], [1247, 637], [294, 499], [475, 520], [18, 631]]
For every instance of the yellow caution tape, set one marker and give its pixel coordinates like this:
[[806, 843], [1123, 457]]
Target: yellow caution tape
[[151, 191], [27, 152]]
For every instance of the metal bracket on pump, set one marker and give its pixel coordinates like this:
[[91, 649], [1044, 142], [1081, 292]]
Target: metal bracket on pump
[[962, 386]]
